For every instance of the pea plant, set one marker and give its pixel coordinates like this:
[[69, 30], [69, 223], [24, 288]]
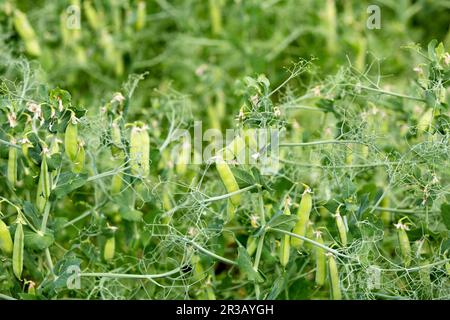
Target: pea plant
[[331, 186]]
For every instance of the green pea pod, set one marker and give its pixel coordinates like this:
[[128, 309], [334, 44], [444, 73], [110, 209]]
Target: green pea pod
[[447, 267], [285, 246], [91, 15], [140, 15], [251, 245], [321, 263], [341, 228], [183, 159], [116, 183], [386, 216], [44, 186], [6, 244], [26, 146], [236, 149], [78, 164], [198, 271], [116, 137], [231, 210], [110, 248], [71, 139], [26, 32], [32, 288], [216, 16], [303, 213], [210, 292], [167, 206], [12, 165], [140, 151], [309, 235], [228, 179], [334, 278], [18, 251], [405, 246]]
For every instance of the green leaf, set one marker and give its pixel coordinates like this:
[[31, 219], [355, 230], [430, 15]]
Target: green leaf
[[131, 214], [65, 269], [54, 162], [363, 204], [245, 265], [277, 287], [31, 213], [68, 182], [35, 241], [243, 178], [283, 222], [445, 213], [440, 50]]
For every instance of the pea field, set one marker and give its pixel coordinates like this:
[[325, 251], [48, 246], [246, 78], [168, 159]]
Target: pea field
[[225, 149]]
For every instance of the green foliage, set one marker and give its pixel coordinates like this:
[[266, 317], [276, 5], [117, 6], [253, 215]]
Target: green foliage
[[363, 119]]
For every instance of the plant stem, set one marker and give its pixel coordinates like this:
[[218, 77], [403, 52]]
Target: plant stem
[[80, 217], [394, 94], [206, 251], [49, 260], [9, 144], [418, 268], [130, 276], [314, 143], [363, 165], [6, 297], [262, 215], [229, 195]]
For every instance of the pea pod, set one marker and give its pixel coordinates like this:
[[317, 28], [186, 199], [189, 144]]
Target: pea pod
[[216, 17], [6, 244], [140, 151], [405, 246], [12, 165], [228, 179], [78, 163], [44, 185], [26, 32], [251, 245], [91, 15], [17, 260], [140, 15], [309, 235], [183, 159], [285, 247], [235, 150], [321, 263], [116, 183], [110, 248], [71, 139], [386, 216], [116, 137], [342, 229], [26, 146], [32, 288], [334, 278], [210, 295], [303, 213], [167, 205], [231, 210]]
